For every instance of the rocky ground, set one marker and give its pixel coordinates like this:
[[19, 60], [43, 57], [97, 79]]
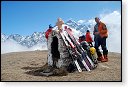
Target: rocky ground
[[15, 67]]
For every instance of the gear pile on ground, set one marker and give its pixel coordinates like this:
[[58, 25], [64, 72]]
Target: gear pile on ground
[[65, 52]]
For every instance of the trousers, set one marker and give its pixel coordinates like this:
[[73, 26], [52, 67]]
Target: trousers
[[101, 42]]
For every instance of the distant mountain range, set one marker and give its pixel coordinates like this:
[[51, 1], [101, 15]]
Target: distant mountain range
[[29, 41], [39, 37]]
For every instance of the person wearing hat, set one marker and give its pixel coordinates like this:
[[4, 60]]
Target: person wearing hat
[[48, 31], [100, 35], [81, 38]]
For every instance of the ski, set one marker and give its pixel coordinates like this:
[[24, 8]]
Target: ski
[[75, 60], [72, 45], [81, 50], [82, 60]]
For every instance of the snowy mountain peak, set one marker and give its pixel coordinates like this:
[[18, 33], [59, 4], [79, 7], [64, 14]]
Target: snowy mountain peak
[[3, 37], [72, 24], [81, 25], [27, 41]]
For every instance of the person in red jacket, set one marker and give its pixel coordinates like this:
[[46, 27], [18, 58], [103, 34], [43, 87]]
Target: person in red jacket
[[48, 31], [88, 38]]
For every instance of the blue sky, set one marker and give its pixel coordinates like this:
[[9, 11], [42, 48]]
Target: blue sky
[[26, 17]]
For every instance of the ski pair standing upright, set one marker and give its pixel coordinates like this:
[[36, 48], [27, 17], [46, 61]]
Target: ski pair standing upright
[[78, 54]]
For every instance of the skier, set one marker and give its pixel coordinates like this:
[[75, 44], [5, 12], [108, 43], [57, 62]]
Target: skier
[[88, 38], [100, 36], [48, 31]]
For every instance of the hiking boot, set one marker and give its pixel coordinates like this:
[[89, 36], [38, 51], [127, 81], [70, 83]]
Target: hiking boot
[[105, 59], [100, 58]]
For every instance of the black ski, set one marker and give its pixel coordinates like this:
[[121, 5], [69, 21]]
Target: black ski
[[76, 52], [73, 56], [80, 49]]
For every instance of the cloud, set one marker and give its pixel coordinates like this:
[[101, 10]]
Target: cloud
[[113, 23], [12, 46], [39, 46]]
